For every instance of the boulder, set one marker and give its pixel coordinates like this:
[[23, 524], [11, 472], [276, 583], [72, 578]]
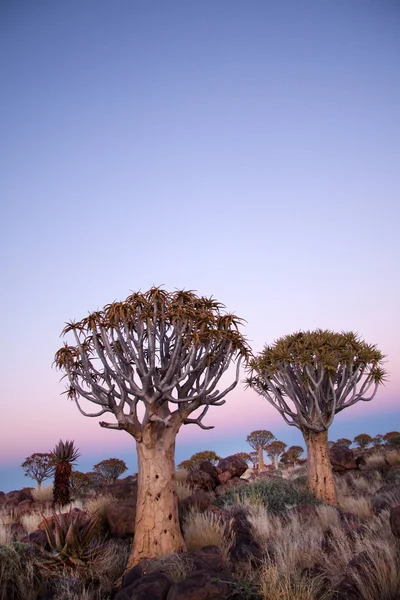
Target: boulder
[[229, 485], [342, 459], [120, 517], [207, 467], [153, 586], [224, 477], [200, 480], [200, 501], [395, 520], [385, 497], [234, 465], [37, 538], [202, 585]]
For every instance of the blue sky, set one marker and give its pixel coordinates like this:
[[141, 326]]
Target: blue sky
[[247, 150]]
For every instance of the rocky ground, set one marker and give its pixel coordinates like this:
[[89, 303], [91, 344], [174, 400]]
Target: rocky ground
[[250, 535]]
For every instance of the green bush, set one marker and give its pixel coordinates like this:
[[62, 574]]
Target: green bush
[[275, 494]]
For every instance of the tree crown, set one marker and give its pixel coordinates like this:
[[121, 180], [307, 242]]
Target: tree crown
[[310, 376], [260, 438], [157, 348]]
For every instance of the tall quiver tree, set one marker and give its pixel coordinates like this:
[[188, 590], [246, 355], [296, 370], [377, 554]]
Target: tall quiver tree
[[274, 451], [152, 361], [258, 440], [311, 376]]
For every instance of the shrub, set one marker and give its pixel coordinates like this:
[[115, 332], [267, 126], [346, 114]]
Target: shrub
[[280, 584], [275, 494], [207, 529], [43, 494], [18, 579]]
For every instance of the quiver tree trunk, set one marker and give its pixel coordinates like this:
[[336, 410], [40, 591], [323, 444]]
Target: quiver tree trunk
[[319, 468], [260, 458], [157, 528], [61, 487]]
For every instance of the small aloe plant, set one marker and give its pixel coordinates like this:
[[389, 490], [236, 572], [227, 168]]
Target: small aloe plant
[[71, 545]]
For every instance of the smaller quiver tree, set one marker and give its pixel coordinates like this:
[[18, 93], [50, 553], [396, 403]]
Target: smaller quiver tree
[[110, 469], [311, 376], [363, 440], [258, 440], [39, 466], [274, 451]]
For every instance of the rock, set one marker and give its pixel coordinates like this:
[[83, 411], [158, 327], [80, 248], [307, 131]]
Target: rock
[[224, 477], [248, 473], [202, 585], [37, 538], [200, 501], [220, 490], [395, 520], [234, 465], [153, 586], [207, 467], [120, 517], [245, 548], [385, 497], [80, 517], [200, 480], [122, 489], [342, 459], [23, 507], [348, 587]]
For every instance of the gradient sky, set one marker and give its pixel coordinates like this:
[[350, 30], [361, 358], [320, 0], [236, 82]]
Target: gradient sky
[[245, 149]]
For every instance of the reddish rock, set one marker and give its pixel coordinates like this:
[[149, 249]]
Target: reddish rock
[[395, 520], [153, 586], [224, 477], [37, 538], [202, 585], [80, 518], [200, 480], [24, 507], [235, 465], [342, 459], [200, 500], [229, 485], [120, 516], [207, 467]]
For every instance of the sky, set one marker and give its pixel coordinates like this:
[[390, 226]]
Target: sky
[[248, 150]]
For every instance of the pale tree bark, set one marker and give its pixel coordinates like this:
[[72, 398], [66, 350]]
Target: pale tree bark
[[157, 528], [319, 468], [275, 460]]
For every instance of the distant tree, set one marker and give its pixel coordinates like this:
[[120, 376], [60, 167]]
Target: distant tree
[[210, 455], [95, 479], [363, 440], [294, 453], [258, 440], [309, 377], [79, 482], [39, 466], [110, 469], [185, 465], [274, 450], [343, 443], [377, 441], [331, 444], [244, 456], [392, 438]]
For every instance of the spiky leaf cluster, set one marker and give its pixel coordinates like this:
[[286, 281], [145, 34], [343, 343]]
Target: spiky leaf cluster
[[71, 543], [310, 376], [65, 452], [155, 348]]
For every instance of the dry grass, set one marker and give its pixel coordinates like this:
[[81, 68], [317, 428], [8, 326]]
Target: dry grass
[[98, 504], [43, 494], [207, 529], [31, 521], [281, 584], [181, 475], [183, 490], [175, 566], [358, 506]]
